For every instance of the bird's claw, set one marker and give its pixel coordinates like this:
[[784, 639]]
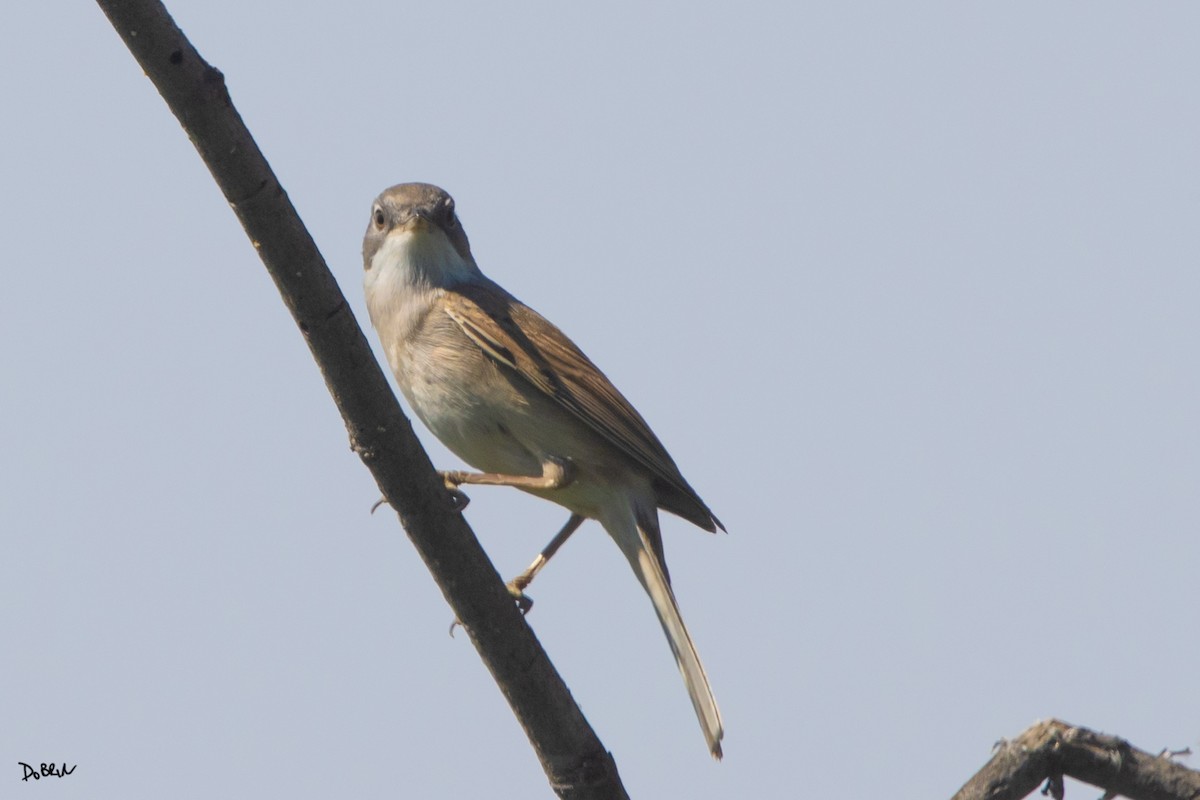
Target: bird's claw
[[516, 588], [452, 480], [459, 500]]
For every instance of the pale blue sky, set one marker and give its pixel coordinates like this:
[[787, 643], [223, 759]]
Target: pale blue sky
[[910, 291]]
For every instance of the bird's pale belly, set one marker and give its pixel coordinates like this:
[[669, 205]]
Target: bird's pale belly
[[482, 424]]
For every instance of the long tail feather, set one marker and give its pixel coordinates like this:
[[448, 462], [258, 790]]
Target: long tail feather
[[640, 540]]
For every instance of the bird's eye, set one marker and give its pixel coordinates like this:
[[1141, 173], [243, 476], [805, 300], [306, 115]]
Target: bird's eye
[[378, 218], [448, 210]]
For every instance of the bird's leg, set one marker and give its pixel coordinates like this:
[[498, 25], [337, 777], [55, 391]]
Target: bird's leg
[[556, 473], [516, 587]]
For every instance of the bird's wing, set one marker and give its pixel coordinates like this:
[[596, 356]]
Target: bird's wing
[[518, 338]]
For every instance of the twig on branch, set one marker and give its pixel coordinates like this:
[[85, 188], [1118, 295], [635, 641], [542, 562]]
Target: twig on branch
[[1051, 749], [575, 761]]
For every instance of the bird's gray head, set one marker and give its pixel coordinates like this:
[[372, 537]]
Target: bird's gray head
[[414, 226]]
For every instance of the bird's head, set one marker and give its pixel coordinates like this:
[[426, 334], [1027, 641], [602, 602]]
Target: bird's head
[[414, 236]]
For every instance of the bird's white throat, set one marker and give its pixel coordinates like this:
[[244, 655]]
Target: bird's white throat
[[407, 267], [420, 257]]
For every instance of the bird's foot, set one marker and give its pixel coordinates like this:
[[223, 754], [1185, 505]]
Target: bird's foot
[[458, 500], [452, 480], [516, 587]]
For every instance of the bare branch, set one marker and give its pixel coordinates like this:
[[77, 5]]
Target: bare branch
[[1049, 750], [575, 761]]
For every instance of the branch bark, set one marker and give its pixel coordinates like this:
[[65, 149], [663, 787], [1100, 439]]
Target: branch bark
[[1049, 750], [576, 763]]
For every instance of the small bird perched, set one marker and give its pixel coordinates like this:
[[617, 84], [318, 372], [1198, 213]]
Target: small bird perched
[[512, 396]]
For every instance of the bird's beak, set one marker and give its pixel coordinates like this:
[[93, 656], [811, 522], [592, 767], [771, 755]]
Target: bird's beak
[[418, 221]]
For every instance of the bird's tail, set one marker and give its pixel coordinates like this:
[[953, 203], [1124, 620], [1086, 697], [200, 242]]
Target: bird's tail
[[639, 538]]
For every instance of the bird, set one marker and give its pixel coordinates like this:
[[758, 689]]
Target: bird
[[512, 396]]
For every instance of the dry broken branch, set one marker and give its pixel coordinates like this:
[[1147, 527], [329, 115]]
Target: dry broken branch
[[1050, 750]]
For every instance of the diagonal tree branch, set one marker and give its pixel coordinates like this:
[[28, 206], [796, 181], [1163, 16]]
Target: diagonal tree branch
[[1051, 749], [575, 761]]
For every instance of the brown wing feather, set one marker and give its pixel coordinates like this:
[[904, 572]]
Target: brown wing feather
[[518, 337]]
